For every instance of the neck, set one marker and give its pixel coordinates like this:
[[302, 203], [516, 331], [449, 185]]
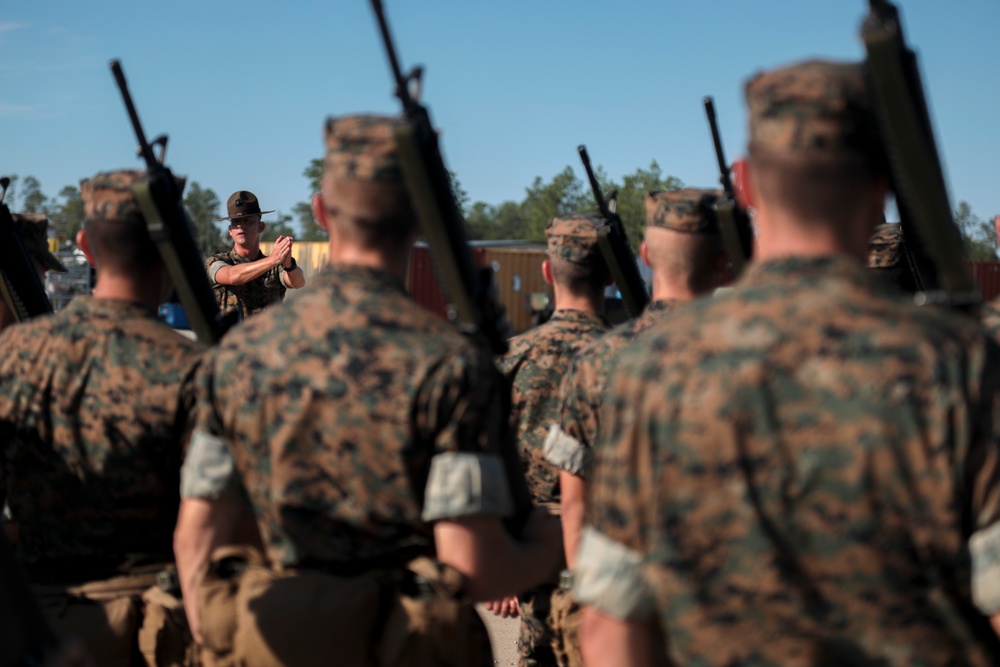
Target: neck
[[664, 290], [567, 301], [394, 261], [116, 287], [248, 250], [781, 236]]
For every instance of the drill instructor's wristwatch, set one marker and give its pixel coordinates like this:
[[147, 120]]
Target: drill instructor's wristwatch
[[290, 268]]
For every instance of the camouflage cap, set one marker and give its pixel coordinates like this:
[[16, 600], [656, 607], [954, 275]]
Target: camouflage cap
[[241, 204], [573, 238], [885, 247], [108, 195], [362, 148], [33, 228], [813, 108], [685, 210]]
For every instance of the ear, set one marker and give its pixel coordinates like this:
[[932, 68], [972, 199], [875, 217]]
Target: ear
[[547, 272], [644, 253], [319, 212], [84, 243], [260, 227], [996, 227], [743, 183]]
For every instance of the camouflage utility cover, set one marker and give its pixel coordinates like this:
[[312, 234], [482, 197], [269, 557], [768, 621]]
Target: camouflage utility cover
[[685, 210], [569, 446], [802, 472], [813, 108], [533, 369], [362, 148], [885, 247], [93, 418], [573, 238], [340, 407], [250, 297]]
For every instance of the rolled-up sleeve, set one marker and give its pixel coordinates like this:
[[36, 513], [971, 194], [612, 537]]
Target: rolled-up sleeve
[[466, 484], [566, 452], [609, 577], [208, 471]]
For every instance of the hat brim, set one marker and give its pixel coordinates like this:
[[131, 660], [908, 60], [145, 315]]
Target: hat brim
[[244, 215], [52, 263]]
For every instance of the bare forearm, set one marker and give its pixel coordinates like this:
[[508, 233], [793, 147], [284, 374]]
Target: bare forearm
[[494, 564], [573, 493], [294, 279], [241, 274], [606, 640]]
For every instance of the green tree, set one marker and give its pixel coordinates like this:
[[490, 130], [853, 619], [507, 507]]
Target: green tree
[[276, 228], [561, 196], [302, 211], [980, 237], [66, 214], [202, 206], [32, 200]]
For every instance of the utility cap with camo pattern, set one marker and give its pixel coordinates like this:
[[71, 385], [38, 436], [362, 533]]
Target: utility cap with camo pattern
[[108, 196], [362, 148], [686, 210], [33, 228], [816, 108], [241, 204], [573, 238], [885, 247]]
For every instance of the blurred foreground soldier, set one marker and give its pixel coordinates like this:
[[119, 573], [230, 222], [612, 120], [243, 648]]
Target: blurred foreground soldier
[[533, 367], [683, 246], [803, 471], [991, 312], [33, 228], [93, 407], [245, 279], [365, 433], [887, 257]]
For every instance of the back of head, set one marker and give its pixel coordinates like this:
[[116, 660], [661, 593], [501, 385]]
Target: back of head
[[33, 228], [683, 240], [115, 227], [814, 141], [575, 256], [363, 191]]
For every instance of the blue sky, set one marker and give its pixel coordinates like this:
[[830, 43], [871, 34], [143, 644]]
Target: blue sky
[[242, 88]]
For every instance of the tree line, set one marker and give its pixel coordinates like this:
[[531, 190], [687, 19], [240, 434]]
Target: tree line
[[562, 194]]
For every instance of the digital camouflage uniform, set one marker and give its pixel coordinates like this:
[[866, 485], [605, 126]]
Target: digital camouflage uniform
[[355, 419], [260, 292], [533, 368], [250, 297], [803, 471], [94, 402]]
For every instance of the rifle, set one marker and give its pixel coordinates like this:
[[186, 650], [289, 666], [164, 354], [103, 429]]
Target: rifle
[[159, 198], [734, 223], [615, 246], [25, 636], [20, 286], [933, 240], [471, 290]]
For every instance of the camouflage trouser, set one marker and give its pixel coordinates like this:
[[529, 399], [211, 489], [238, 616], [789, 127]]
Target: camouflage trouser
[[565, 621], [534, 645]]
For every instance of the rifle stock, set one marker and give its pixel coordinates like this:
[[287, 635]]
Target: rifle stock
[[733, 220], [933, 240], [159, 198], [615, 247], [21, 288], [471, 290]]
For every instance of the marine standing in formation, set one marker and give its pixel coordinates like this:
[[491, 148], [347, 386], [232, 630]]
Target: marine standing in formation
[[366, 434], [683, 246], [533, 367], [805, 470], [33, 228], [94, 417], [245, 279]]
